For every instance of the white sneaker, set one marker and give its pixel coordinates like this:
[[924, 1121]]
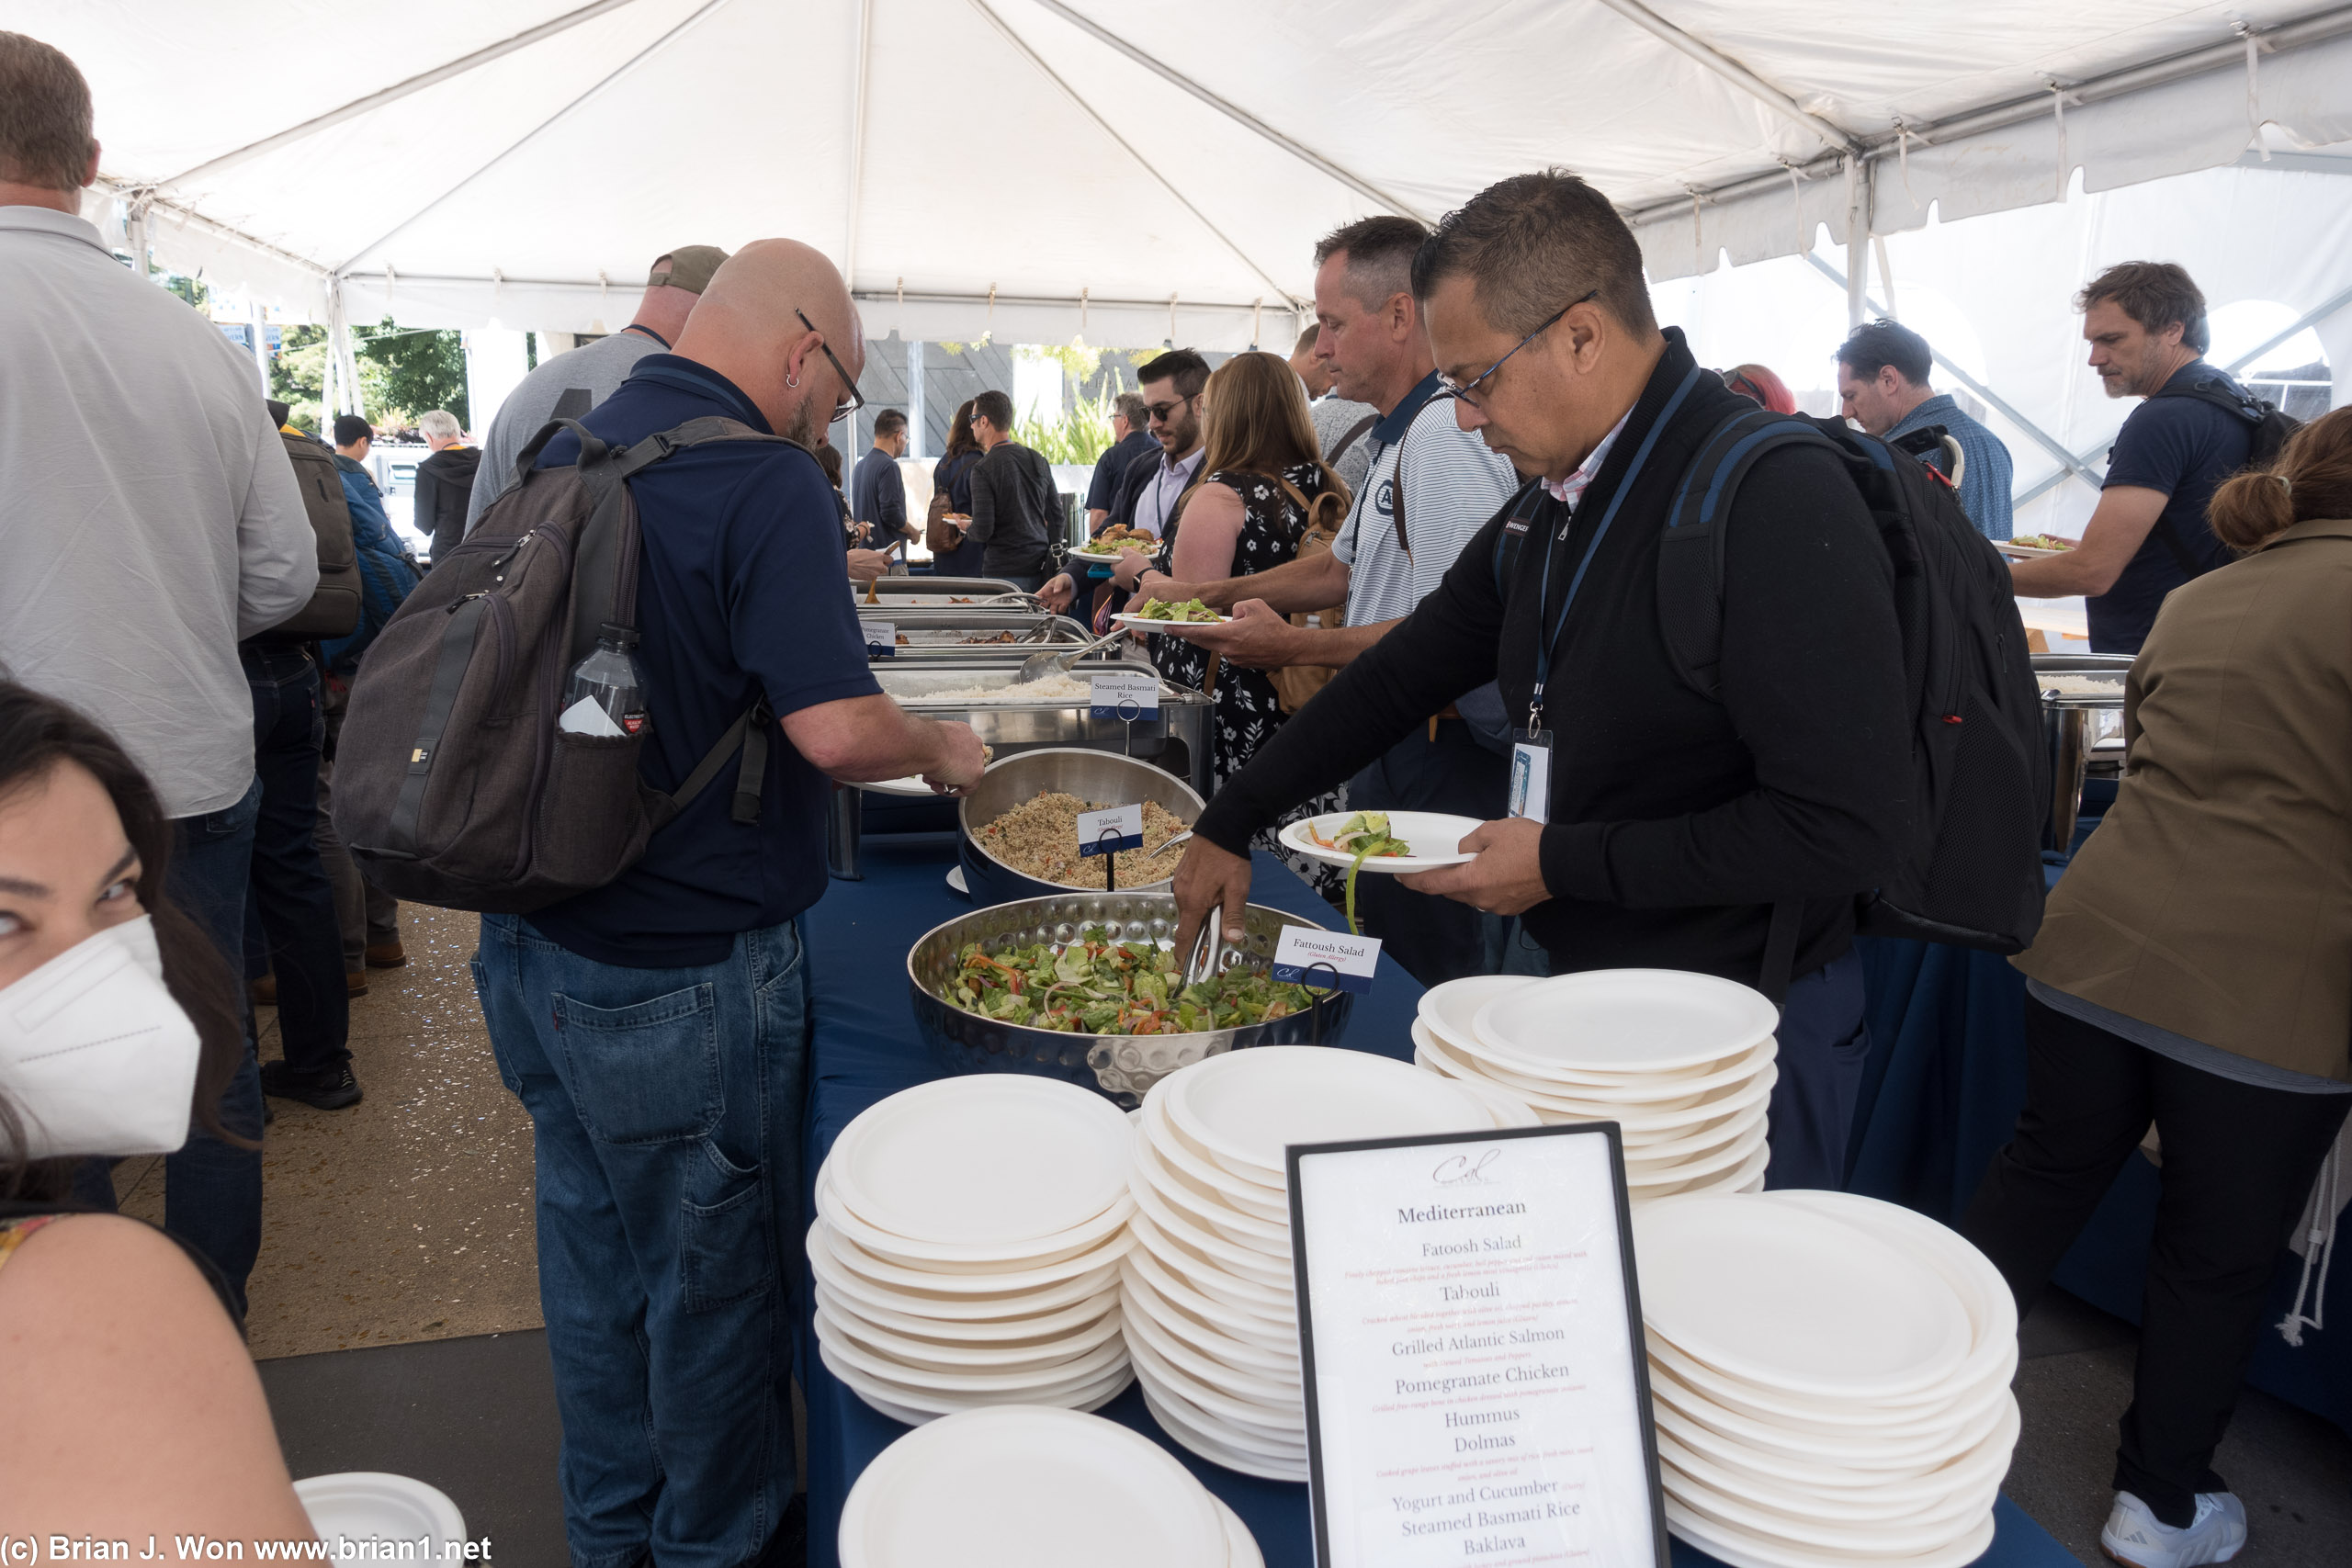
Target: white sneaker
[[2134, 1537]]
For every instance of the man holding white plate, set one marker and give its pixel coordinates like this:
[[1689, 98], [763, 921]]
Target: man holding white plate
[[1661, 825]]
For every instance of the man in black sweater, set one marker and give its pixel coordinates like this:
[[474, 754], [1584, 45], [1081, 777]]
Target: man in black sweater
[[1672, 823], [1015, 506]]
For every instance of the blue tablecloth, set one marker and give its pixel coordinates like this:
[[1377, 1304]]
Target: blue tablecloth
[[866, 1046], [1945, 1082]]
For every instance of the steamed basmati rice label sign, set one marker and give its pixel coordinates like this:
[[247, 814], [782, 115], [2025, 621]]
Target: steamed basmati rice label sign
[[1123, 696]]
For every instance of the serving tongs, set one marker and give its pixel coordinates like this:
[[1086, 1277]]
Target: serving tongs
[[1208, 946], [1037, 666]]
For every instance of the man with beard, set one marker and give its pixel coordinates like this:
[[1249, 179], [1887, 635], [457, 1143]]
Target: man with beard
[[655, 1028]]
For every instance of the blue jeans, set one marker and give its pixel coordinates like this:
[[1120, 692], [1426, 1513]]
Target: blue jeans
[[291, 923], [212, 1190], [1825, 1039], [666, 1105]]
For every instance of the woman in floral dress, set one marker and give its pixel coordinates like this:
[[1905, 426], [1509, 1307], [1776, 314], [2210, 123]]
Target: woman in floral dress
[[1260, 481]]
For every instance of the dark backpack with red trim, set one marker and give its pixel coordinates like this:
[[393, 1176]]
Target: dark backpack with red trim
[[1973, 873]]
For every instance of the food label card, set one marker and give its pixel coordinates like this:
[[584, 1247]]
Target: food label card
[[1113, 827], [1326, 960], [881, 639], [1470, 1334], [1124, 696]]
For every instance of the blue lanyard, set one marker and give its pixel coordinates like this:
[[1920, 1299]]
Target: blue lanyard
[[1545, 644]]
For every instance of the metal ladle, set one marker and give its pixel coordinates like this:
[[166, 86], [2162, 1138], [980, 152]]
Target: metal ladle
[[1037, 666]]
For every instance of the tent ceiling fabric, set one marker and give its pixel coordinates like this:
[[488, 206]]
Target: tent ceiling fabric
[[1017, 161]]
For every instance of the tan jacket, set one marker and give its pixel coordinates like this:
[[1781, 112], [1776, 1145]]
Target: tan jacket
[[2215, 900]]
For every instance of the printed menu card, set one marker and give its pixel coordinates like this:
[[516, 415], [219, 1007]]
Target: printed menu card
[[1470, 1333]]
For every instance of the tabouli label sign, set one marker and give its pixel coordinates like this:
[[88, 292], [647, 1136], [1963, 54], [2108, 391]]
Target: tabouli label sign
[[1113, 827], [1470, 1335], [1326, 960], [1123, 696]]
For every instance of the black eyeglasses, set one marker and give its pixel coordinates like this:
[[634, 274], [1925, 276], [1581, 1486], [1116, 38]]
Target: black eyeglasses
[[856, 398], [1162, 412], [1462, 389]]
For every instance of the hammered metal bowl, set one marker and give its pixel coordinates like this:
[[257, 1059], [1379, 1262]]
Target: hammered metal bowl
[[1121, 1065]]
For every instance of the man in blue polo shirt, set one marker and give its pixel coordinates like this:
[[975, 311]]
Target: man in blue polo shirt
[[654, 1027], [2145, 323]]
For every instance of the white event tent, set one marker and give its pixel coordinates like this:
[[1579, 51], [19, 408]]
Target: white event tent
[[1041, 170]]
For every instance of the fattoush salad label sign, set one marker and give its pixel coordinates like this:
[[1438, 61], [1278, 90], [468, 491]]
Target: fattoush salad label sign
[[1470, 1330], [1328, 961]]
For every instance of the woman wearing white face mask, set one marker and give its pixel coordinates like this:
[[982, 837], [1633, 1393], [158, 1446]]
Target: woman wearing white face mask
[[116, 1018]]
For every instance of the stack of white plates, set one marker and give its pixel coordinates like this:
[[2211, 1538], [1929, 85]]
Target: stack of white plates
[[1830, 1379], [1682, 1063], [1211, 1316], [1022, 1486], [966, 1248]]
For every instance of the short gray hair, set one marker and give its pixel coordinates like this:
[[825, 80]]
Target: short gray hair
[[1130, 408], [44, 116], [440, 423], [1380, 256]]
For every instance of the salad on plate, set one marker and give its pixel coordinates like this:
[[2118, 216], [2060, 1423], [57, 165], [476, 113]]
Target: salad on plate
[[1363, 835]]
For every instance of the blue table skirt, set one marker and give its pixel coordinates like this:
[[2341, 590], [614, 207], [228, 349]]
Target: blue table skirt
[[865, 1047], [1945, 1083]]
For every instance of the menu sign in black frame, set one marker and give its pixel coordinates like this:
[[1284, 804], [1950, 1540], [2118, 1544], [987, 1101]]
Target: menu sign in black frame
[[1471, 1349]]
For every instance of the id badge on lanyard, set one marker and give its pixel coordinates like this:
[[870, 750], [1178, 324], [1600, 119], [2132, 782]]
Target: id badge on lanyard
[[1531, 774]]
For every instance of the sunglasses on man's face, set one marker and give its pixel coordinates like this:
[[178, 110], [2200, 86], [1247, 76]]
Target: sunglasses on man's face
[[857, 399], [1162, 412]]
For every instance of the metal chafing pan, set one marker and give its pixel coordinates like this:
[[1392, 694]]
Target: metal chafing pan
[[1121, 1065], [1176, 741], [942, 592], [1102, 778], [932, 632], [2082, 729]]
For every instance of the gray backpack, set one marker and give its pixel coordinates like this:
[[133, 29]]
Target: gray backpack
[[453, 785], [333, 608]]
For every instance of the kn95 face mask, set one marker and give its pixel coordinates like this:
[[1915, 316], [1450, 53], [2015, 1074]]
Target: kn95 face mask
[[95, 1057]]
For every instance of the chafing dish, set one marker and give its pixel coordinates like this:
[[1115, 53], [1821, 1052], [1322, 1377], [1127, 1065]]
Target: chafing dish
[[2082, 723], [932, 631], [1100, 777], [942, 592], [1176, 741], [1121, 1065]]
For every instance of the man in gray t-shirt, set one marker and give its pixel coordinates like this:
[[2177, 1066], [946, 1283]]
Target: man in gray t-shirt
[[1340, 426], [577, 380]]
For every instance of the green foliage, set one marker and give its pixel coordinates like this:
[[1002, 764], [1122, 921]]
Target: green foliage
[[191, 289], [1080, 435], [402, 372], [298, 376]]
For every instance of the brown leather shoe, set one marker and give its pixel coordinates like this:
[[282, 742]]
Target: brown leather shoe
[[356, 982], [264, 991], [387, 954]]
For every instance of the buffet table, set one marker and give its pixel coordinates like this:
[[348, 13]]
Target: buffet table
[[864, 1047]]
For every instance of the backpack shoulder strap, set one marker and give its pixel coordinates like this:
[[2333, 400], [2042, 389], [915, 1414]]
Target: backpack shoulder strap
[[2214, 390], [1520, 516], [1350, 436], [1691, 558]]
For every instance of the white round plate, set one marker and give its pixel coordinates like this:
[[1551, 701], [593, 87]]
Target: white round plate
[[1730, 1157], [916, 1406], [1243, 1230], [1246, 1262], [911, 785], [856, 1259], [1246, 1106], [955, 880], [1738, 1549], [1265, 1301], [1450, 1007], [1983, 1465], [1142, 623], [1187, 1435], [1176, 1413], [1171, 1347], [1055, 1156], [1010, 1330], [374, 1506], [1434, 838], [1949, 1409], [1506, 1108], [1082, 1368], [1021, 1487], [1093, 557], [997, 1356], [1253, 1198], [1210, 1337], [955, 1305], [1284, 1418], [1241, 1546], [1792, 1299], [1688, 1152], [1749, 1178], [1639, 1089], [1258, 1326], [1878, 1540], [1776, 1449], [1094, 1398], [1622, 1021], [1984, 1295], [1003, 1257]]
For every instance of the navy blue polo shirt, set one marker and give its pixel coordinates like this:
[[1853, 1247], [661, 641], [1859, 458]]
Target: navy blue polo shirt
[[1103, 490], [740, 593], [2184, 447]]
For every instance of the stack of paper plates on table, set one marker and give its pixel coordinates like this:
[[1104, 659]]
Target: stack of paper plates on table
[[1022, 1486], [1831, 1380], [1682, 1063], [1211, 1316], [966, 1248]]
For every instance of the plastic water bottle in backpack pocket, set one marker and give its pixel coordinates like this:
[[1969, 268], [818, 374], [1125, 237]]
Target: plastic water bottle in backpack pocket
[[605, 694]]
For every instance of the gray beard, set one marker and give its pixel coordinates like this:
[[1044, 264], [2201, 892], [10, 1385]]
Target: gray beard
[[806, 426]]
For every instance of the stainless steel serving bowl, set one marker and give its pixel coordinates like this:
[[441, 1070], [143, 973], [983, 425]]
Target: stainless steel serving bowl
[[1098, 776], [1121, 1065], [2083, 733]]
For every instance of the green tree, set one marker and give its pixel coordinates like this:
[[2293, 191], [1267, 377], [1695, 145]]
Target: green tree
[[418, 370], [298, 376]]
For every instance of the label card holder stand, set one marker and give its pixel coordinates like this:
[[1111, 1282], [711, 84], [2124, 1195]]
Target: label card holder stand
[[1468, 1157]]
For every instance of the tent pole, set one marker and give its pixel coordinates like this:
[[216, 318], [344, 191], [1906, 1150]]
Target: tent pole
[[398, 91], [2041, 437], [697, 15], [857, 90], [1037, 60], [1731, 71], [2308, 319], [1858, 229], [1233, 112]]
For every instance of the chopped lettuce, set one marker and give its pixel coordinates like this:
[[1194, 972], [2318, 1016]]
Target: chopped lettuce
[[1097, 986]]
